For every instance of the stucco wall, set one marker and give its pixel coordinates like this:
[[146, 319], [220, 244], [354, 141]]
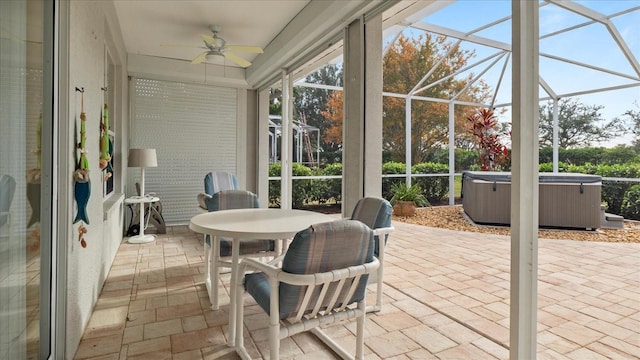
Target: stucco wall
[[93, 27]]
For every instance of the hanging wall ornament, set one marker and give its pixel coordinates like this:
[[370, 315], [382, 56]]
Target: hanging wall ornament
[[82, 186], [105, 145]]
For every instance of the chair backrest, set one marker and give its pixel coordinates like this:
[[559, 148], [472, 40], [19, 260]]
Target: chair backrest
[[375, 213], [7, 190], [232, 199], [322, 248], [219, 181]]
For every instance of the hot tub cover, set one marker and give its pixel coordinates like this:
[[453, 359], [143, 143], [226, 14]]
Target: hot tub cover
[[574, 178]]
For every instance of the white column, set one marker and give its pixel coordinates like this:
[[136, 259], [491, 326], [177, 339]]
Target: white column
[[286, 150], [262, 185], [407, 138], [373, 108], [524, 185], [555, 135], [452, 155], [353, 122]]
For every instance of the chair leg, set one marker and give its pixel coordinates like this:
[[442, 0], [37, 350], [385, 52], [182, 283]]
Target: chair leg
[[360, 331], [274, 340], [214, 273], [240, 348], [207, 265], [378, 305], [379, 275]]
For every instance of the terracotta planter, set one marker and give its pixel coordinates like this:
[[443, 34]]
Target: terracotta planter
[[404, 208]]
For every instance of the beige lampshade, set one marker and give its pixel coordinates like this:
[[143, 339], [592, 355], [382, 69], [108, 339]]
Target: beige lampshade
[[142, 158]]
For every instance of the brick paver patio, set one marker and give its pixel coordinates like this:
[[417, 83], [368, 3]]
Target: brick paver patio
[[446, 297]]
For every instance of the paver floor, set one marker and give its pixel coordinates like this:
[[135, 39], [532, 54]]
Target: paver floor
[[446, 297]]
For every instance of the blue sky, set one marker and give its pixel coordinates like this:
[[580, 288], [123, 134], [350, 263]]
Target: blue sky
[[590, 44]]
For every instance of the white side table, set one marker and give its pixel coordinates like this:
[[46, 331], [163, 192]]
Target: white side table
[[141, 200]]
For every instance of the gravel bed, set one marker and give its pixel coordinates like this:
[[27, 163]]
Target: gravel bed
[[453, 218]]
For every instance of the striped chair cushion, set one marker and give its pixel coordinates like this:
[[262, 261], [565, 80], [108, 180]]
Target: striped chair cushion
[[375, 213], [218, 181], [319, 248], [237, 199]]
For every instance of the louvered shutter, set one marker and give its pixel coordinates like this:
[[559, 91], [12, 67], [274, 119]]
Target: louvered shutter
[[193, 129]]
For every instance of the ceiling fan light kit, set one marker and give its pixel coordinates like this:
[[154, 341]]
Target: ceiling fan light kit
[[217, 46]]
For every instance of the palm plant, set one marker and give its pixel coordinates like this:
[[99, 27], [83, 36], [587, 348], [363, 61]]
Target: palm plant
[[402, 192]]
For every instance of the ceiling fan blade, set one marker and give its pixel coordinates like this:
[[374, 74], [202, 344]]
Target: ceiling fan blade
[[245, 48], [237, 59], [200, 58], [207, 39], [183, 46]]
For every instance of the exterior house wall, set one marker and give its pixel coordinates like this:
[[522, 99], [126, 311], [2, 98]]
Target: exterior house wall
[[93, 27]]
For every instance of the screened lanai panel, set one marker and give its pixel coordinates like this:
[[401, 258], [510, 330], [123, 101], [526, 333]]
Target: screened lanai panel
[[193, 129]]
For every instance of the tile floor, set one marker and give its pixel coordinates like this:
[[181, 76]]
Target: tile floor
[[446, 293]]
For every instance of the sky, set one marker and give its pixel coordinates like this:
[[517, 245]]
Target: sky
[[591, 44]]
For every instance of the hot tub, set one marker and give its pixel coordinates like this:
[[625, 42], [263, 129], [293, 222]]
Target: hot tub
[[566, 200]]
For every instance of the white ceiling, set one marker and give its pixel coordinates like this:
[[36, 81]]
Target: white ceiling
[[289, 31], [154, 27]]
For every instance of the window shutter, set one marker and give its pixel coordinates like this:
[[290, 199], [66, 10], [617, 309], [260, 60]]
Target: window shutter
[[193, 129]]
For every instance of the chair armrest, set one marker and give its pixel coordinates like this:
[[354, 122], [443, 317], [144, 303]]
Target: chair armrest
[[255, 264], [383, 231], [201, 200]]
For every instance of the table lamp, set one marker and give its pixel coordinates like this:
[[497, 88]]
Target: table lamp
[[142, 158]]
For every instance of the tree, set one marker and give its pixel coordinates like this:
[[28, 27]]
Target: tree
[[631, 118], [578, 124], [404, 65], [309, 103], [334, 113]]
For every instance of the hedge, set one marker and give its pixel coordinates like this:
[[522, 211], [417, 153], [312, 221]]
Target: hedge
[[436, 188], [592, 155], [631, 203]]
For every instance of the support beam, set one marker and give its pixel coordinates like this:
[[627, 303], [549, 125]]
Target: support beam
[[362, 123], [555, 136], [286, 151], [373, 107], [262, 149], [407, 140], [452, 153], [524, 186]]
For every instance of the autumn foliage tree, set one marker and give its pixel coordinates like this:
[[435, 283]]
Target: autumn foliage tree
[[334, 113], [407, 61]]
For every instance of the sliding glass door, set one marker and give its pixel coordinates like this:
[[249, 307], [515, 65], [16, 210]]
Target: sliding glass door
[[25, 241]]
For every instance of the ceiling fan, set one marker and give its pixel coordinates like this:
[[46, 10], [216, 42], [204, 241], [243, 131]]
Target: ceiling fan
[[215, 45]]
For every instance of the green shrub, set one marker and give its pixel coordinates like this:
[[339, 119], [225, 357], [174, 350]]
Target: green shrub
[[465, 160], [434, 188], [613, 191], [274, 185], [301, 188], [319, 190], [334, 185], [548, 167], [631, 203], [324, 190], [391, 167], [592, 155]]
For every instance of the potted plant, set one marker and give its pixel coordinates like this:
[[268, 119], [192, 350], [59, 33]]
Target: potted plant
[[405, 199]]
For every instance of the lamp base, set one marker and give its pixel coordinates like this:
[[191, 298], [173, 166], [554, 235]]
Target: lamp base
[[141, 239]]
